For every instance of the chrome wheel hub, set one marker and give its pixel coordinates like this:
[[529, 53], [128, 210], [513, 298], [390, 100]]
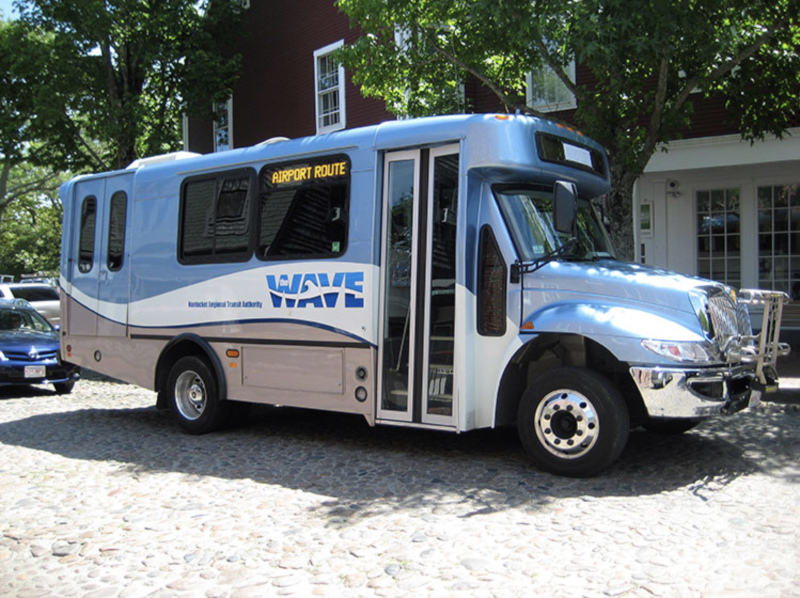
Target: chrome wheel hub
[[190, 395], [567, 424]]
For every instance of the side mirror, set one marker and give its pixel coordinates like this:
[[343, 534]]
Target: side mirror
[[565, 207]]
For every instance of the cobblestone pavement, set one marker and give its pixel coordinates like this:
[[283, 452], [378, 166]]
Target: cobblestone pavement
[[101, 495]]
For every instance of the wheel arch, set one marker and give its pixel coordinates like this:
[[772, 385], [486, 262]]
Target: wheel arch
[[550, 350], [182, 346]]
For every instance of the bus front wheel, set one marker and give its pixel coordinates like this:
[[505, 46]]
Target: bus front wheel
[[194, 396], [573, 422]]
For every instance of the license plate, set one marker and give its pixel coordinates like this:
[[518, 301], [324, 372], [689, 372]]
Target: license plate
[[35, 371]]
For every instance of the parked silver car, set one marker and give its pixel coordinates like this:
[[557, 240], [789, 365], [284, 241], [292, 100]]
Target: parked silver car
[[43, 297]]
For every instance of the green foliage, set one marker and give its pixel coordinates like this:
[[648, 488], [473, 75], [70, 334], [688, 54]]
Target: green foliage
[[117, 72], [93, 85], [30, 238], [648, 61]]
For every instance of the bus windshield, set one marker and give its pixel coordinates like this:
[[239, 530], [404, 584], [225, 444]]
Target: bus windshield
[[528, 213]]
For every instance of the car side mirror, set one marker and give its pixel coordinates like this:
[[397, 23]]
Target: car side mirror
[[565, 207]]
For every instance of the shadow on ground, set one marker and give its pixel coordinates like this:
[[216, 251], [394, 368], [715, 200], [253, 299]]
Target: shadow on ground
[[365, 468]]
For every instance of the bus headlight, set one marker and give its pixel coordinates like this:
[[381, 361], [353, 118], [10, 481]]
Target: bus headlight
[[683, 351]]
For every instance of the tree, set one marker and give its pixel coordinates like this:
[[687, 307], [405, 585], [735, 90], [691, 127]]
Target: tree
[[647, 61], [121, 73], [25, 173], [95, 84], [30, 240]]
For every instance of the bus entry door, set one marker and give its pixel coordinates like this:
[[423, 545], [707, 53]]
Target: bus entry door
[[418, 382]]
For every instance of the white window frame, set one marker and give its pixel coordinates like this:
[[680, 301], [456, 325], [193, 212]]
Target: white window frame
[[532, 100], [228, 126], [339, 90]]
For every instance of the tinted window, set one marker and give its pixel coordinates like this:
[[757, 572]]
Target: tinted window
[[304, 209], [33, 293], [116, 230], [86, 241], [217, 218]]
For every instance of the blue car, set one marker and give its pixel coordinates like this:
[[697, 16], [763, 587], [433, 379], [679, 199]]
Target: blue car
[[29, 349]]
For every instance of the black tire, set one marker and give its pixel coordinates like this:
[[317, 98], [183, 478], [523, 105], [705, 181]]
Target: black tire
[[193, 397], [573, 422], [671, 426], [64, 388]]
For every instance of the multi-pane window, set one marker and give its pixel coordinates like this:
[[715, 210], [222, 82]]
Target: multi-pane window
[[547, 92], [329, 85], [718, 236], [779, 238], [223, 138]]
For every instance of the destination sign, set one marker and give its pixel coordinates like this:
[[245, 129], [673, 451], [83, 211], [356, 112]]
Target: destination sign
[[568, 153], [305, 172]]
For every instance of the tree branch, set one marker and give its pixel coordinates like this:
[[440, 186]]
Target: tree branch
[[508, 102], [31, 186], [726, 67], [651, 139], [556, 66]]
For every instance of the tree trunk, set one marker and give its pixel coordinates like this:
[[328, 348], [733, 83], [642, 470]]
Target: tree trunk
[[5, 173], [620, 212]]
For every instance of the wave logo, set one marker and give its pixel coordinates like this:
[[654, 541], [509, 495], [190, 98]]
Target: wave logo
[[317, 290]]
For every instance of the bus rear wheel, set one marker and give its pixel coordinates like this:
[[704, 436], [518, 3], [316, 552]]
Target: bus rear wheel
[[573, 422], [194, 396]]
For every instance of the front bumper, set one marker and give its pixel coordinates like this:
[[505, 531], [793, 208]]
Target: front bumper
[[12, 375], [696, 393]]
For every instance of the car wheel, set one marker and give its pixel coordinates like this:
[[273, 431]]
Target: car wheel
[[64, 388], [194, 396], [573, 422], [671, 425]]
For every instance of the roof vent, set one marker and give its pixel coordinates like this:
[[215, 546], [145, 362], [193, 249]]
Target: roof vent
[[171, 157], [272, 140]]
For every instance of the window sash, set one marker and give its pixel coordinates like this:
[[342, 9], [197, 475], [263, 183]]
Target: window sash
[[329, 88], [547, 93]]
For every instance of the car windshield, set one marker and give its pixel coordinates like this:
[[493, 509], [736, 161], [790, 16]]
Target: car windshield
[[528, 212], [23, 320]]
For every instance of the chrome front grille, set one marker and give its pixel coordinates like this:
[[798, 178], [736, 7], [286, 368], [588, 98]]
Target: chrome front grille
[[28, 356], [728, 319]]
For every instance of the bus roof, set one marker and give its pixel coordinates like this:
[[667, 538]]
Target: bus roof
[[502, 141]]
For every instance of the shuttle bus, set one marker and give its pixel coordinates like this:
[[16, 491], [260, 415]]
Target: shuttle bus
[[450, 273]]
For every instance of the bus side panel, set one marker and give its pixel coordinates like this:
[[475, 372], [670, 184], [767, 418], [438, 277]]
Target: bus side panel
[[316, 378], [289, 369]]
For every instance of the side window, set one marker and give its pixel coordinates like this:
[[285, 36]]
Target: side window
[[116, 230], [217, 218], [492, 278], [304, 209], [86, 239]]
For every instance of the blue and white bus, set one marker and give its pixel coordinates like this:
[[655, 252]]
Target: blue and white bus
[[450, 273]]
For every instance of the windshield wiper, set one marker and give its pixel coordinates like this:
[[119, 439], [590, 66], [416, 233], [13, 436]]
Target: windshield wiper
[[519, 268]]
